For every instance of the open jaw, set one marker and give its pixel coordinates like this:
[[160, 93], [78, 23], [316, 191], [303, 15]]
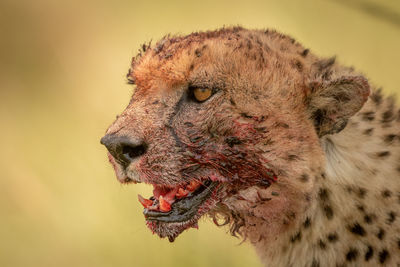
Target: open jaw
[[171, 210]]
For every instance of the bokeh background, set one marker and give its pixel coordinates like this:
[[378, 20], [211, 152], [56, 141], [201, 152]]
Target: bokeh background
[[62, 81]]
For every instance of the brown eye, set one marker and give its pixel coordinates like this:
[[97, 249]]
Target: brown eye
[[202, 94]]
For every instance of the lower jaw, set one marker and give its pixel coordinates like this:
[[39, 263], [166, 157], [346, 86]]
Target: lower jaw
[[184, 210], [174, 226]]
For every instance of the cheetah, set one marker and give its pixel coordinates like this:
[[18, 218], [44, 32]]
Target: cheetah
[[297, 154]]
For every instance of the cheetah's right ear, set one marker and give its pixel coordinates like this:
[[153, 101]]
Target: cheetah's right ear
[[331, 103]]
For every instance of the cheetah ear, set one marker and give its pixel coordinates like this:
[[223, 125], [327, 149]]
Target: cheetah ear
[[331, 103]]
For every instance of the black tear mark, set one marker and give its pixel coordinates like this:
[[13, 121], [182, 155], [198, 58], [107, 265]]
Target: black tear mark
[[170, 121]]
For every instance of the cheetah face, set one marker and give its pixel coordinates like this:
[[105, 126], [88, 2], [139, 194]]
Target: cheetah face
[[214, 114], [193, 153]]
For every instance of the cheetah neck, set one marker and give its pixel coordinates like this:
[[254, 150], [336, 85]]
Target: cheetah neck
[[354, 214]]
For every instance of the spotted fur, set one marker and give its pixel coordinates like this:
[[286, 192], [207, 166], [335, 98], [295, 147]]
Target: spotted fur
[[332, 141]]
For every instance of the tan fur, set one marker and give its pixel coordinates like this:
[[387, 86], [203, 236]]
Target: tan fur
[[336, 201]]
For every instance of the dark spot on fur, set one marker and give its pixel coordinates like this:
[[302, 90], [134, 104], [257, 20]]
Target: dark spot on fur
[[261, 129], [304, 178], [197, 52], [318, 117], [398, 243], [325, 63], [315, 263], [232, 140], [368, 116], [298, 65], [296, 237], [188, 124], [245, 115], [357, 229], [381, 234], [342, 97], [195, 139], [328, 211], [383, 154], [191, 67], [368, 131], [368, 219], [321, 244], [274, 193], [361, 208], [305, 52], [388, 139], [232, 102], [383, 256], [387, 116], [282, 124], [361, 192], [352, 254], [369, 253], [307, 222], [155, 102], [323, 194], [386, 193], [333, 237], [377, 97], [391, 217]]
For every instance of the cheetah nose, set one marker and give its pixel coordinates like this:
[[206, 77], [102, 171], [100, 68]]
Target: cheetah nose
[[123, 148]]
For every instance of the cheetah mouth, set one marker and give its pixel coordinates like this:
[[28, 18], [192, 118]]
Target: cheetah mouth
[[170, 211], [177, 204]]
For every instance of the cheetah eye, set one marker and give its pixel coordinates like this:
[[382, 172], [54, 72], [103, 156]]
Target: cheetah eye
[[201, 94]]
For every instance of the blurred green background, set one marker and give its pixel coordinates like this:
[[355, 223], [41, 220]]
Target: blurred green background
[[62, 81]]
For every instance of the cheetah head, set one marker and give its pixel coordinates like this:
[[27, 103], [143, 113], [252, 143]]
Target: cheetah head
[[219, 119]]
